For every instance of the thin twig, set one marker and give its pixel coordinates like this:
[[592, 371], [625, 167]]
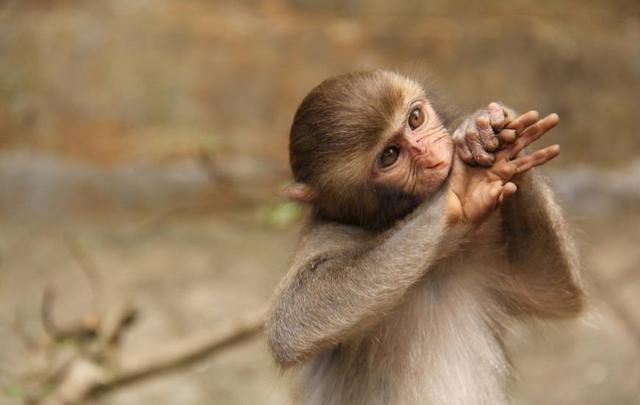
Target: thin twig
[[46, 313], [87, 379], [84, 328], [185, 352], [89, 269]]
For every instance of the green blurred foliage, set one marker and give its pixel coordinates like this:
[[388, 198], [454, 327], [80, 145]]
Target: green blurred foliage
[[280, 215]]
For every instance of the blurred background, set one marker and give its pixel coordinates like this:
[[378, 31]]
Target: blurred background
[[143, 145]]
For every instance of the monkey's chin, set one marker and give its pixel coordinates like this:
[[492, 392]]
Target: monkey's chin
[[433, 179]]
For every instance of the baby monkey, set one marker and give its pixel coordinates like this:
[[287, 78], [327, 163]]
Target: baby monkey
[[430, 235]]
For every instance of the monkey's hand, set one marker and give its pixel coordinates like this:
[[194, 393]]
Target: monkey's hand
[[483, 133], [475, 192]]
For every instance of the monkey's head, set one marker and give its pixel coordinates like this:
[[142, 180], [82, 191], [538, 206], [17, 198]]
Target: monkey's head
[[366, 148]]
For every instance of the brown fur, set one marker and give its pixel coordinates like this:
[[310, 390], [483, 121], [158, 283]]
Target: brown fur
[[414, 313], [333, 134]]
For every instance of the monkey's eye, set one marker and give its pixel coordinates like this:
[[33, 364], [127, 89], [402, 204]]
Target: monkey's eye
[[389, 156], [416, 118]]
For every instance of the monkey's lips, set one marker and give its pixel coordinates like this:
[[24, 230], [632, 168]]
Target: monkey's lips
[[431, 163], [438, 165]]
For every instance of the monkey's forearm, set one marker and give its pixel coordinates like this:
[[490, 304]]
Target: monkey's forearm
[[542, 254], [330, 296]]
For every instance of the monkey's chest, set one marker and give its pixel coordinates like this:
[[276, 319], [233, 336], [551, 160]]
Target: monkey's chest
[[439, 347]]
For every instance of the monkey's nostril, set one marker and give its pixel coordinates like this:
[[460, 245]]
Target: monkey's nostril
[[418, 144]]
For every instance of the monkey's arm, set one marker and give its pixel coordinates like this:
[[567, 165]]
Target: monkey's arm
[[542, 254], [340, 283]]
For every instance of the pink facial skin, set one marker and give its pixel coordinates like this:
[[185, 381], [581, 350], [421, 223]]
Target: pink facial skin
[[425, 155]]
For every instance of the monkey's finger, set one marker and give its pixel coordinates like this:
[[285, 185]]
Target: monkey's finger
[[529, 135], [507, 136], [483, 202], [461, 145], [509, 115], [497, 115], [480, 156], [532, 133], [487, 136], [523, 121], [508, 190], [537, 158], [495, 191]]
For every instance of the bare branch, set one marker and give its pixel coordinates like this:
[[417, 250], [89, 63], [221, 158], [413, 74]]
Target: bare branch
[[89, 269], [46, 313], [85, 328], [81, 379], [128, 317], [87, 379], [185, 352]]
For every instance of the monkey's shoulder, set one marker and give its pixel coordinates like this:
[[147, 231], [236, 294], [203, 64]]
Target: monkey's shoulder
[[334, 235], [322, 240]]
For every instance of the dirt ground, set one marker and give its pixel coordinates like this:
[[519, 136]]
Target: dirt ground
[[184, 271]]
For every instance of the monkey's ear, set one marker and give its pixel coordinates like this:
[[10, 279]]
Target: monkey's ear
[[300, 192]]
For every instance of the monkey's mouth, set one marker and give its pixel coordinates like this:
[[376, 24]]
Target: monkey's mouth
[[428, 162], [439, 165]]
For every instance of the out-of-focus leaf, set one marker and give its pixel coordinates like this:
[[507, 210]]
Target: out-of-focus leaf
[[14, 392], [280, 215]]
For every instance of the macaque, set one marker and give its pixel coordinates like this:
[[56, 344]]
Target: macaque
[[429, 236]]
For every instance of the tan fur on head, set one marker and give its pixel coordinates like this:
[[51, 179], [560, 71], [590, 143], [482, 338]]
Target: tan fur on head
[[335, 137]]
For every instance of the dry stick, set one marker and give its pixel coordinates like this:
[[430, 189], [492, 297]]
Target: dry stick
[[88, 268], [109, 322], [46, 315], [81, 329], [183, 353], [88, 380]]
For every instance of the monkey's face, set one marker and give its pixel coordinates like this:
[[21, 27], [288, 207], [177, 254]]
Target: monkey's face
[[367, 148], [416, 157]]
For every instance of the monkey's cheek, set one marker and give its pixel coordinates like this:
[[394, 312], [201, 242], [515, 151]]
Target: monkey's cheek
[[438, 157]]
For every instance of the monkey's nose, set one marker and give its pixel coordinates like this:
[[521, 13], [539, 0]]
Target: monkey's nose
[[419, 145]]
